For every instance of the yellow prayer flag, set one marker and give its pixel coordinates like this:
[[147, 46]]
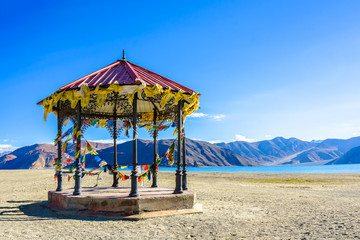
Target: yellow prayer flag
[[77, 154]]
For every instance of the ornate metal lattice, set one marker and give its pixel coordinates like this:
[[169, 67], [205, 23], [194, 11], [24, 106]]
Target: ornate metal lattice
[[154, 133], [84, 127], [124, 110], [114, 134], [73, 120], [168, 112], [154, 99]]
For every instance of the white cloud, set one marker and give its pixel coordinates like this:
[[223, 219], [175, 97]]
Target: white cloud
[[6, 140], [212, 142], [218, 117], [196, 139], [268, 136], [239, 137], [6, 147], [198, 115]]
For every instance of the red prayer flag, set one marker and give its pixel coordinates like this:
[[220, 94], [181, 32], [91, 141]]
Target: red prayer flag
[[87, 121], [161, 127]]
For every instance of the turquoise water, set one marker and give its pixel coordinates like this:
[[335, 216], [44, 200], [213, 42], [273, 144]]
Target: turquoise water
[[346, 168]]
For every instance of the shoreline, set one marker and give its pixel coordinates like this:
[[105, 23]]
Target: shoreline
[[302, 169]]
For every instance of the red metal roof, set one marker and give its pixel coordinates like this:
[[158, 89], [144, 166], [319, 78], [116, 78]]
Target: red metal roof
[[125, 73]]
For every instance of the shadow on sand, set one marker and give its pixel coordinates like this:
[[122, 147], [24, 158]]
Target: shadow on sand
[[35, 211]]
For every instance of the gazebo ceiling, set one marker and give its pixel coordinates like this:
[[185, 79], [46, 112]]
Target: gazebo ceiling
[[112, 89]]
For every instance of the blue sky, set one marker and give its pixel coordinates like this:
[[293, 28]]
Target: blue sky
[[264, 68]]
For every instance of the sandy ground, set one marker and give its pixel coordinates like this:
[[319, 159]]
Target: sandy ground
[[236, 206]]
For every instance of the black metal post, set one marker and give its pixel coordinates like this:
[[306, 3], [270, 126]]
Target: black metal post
[[178, 188], [184, 177], [77, 189], [134, 173], [60, 174], [115, 167], [154, 175]]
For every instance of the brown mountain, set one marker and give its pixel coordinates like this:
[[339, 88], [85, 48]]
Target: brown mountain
[[350, 157], [36, 156], [314, 156], [198, 154], [268, 152], [292, 151]]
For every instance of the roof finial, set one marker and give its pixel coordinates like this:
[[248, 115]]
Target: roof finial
[[123, 55]]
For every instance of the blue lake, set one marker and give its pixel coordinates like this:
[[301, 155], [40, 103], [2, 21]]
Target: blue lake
[[346, 168]]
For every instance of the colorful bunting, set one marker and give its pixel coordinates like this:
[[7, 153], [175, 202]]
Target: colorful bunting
[[170, 153], [151, 127], [98, 159], [60, 137], [110, 123], [101, 93], [148, 169], [72, 167]]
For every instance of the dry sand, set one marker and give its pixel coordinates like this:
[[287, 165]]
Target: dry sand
[[236, 206]]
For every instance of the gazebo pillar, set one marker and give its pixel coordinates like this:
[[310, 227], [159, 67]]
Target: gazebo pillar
[[60, 174], [184, 172], [134, 173], [178, 188], [115, 167], [154, 175], [77, 189]]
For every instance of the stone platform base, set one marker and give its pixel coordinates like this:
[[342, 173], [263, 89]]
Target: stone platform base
[[116, 203]]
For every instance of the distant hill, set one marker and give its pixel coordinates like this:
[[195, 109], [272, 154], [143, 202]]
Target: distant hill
[[36, 156], [4, 153], [350, 157], [292, 151], [278, 151], [314, 156], [268, 152], [198, 154], [342, 145]]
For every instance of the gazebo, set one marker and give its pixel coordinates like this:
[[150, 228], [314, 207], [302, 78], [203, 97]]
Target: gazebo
[[124, 91]]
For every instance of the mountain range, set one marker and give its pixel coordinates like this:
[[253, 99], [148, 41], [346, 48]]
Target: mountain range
[[278, 151], [350, 157], [292, 151], [198, 153]]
